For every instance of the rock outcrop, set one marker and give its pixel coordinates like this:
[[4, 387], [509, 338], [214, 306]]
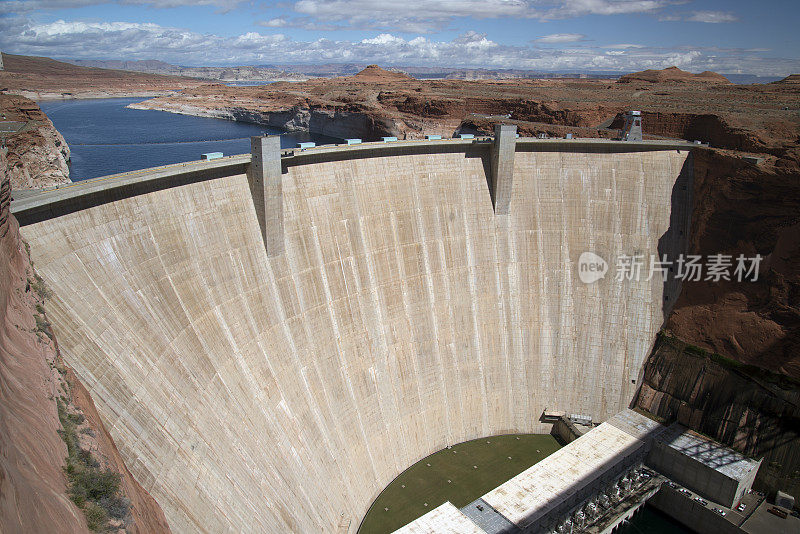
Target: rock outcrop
[[792, 79], [37, 155], [704, 127]]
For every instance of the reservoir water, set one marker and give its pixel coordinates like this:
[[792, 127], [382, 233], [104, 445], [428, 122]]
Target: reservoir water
[[651, 521], [105, 137]]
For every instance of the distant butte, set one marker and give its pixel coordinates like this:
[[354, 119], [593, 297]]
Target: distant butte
[[674, 75], [373, 74], [792, 79]]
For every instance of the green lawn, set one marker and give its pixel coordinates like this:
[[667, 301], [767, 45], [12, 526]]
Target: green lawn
[[452, 477]]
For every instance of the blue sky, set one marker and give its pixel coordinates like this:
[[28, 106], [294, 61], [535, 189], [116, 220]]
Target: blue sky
[[573, 35]]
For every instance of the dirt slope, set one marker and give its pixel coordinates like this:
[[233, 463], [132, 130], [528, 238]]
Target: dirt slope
[[43, 78]]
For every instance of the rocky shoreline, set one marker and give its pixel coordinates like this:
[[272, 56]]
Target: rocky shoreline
[[325, 121], [44, 96]]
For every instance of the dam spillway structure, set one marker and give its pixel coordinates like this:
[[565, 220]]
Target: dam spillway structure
[[276, 381]]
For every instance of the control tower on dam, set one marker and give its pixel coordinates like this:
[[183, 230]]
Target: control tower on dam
[[269, 356]]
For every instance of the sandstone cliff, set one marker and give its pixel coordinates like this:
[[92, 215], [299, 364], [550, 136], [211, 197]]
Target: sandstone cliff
[[375, 102], [32, 485], [792, 79], [37, 153], [39, 399], [746, 208]]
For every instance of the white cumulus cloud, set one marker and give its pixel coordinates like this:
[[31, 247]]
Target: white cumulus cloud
[[132, 41], [275, 23], [712, 17], [23, 6], [384, 39], [427, 16], [560, 38]]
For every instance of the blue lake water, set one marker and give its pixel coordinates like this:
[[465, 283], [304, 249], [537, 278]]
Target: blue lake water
[[107, 138]]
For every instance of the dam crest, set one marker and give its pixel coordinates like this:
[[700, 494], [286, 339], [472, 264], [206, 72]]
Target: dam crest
[[250, 388]]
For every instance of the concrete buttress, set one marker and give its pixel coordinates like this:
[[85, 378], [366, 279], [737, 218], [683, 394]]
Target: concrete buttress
[[503, 166], [264, 177]]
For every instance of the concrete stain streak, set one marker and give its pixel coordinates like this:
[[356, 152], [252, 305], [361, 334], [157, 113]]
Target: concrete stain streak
[[261, 394]]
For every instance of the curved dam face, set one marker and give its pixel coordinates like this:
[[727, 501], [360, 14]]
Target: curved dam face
[[276, 394]]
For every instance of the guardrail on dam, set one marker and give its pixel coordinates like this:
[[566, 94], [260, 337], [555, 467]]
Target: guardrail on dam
[[262, 392]]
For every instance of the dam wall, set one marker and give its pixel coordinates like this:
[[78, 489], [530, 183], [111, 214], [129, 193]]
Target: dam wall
[[282, 393]]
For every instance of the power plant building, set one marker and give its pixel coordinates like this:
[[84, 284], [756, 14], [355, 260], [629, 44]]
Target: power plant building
[[605, 476], [711, 469]]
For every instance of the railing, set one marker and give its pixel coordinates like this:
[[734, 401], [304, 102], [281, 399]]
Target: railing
[[53, 202]]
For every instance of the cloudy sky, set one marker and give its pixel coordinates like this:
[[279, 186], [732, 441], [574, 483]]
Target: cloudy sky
[[729, 36]]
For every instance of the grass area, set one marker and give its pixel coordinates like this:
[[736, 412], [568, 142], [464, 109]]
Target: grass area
[[452, 476], [40, 287]]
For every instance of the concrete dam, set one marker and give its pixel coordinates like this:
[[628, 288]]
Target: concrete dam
[[280, 390]]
